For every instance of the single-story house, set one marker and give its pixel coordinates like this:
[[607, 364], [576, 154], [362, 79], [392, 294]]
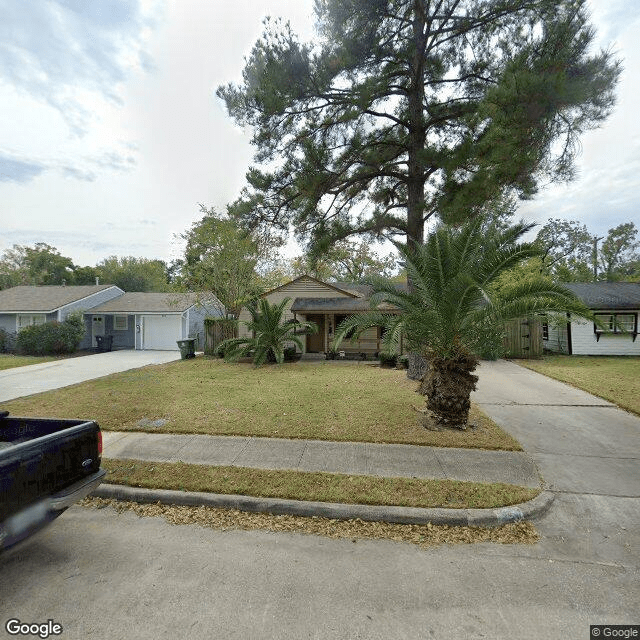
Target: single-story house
[[153, 320], [616, 305], [134, 320], [327, 304], [23, 306]]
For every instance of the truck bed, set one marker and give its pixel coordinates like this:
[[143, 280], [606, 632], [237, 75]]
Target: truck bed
[[45, 465]]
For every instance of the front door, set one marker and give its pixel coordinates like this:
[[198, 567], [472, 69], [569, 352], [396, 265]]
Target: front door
[[315, 341], [97, 329]]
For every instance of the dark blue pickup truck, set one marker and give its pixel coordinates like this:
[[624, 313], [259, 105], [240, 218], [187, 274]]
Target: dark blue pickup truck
[[45, 466]]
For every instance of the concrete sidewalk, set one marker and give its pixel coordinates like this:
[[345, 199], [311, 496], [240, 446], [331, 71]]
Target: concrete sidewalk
[[353, 458], [36, 378]]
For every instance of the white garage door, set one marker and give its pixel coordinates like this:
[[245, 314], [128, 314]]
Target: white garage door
[[161, 332]]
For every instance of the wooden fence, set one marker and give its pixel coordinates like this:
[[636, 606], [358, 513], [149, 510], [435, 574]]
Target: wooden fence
[[523, 338], [217, 330]]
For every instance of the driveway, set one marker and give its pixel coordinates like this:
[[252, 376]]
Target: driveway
[[588, 451], [36, 378]]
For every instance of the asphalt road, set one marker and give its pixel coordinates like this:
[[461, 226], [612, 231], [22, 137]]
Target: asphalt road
[[101, 574]]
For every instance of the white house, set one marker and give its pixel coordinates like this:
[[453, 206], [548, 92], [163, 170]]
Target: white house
[[616, 305]]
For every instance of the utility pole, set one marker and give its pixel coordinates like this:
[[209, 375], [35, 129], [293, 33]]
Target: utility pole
[[595, 256]]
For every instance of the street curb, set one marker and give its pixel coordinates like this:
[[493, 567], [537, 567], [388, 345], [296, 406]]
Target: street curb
[[373, 513]]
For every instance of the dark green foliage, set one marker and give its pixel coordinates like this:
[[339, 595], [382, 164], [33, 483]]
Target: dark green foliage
[[452, 316], [388, 359], [271, 334], [408, 109], [4, 341], [52, 338]]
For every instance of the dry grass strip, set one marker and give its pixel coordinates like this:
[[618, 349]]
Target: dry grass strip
[[423, 535], [315, 486]]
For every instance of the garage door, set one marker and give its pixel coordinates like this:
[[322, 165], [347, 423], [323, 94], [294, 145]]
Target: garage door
[[161, 332]]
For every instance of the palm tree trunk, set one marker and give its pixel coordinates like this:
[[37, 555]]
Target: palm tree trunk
[[448, 384]]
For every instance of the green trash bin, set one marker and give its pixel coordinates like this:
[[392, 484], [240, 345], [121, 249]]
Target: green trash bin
[[187, 348]]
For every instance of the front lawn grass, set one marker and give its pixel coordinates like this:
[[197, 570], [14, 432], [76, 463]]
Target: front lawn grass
[[9, 361], [320, 487], [616, 379], [309, 401]]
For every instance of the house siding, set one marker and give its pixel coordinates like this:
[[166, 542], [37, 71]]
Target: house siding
[[197, 315], [584, 340], [91, 301], [301, 288], [558, 336]]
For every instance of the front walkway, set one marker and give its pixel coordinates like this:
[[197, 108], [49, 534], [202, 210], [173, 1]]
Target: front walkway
[[36, 378], [353, 458]]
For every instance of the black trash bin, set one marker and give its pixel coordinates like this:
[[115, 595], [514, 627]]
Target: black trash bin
[[104, 343], [187, 348]]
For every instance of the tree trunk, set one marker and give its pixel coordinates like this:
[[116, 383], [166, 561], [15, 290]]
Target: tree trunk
[[448, 384]]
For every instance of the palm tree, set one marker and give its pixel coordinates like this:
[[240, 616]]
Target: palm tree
[[450, 312], [270, 334]]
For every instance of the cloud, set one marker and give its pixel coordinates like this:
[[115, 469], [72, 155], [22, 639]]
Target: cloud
[[63, 51], [19, 168], [12, 170]]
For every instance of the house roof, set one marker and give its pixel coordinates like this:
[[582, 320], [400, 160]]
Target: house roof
[[46, 298], [330, 285], [334, 305], [607, 295], [138, 302]]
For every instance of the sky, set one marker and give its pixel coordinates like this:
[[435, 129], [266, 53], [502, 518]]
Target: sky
[[111, 134]]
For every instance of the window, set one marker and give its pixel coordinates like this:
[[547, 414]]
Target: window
[[120, 323], [545, 330], [28, 320], [616, 323]]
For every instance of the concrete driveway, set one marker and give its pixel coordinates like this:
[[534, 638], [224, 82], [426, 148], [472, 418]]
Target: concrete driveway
[[36, 378]]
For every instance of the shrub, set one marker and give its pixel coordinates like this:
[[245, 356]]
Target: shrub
[[52, 338], [387, 359], [291, 355], [4, 341]]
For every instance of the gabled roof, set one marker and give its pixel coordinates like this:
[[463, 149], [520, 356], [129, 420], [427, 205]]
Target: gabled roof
[[346, 292], [607, 295], [138, 302], [46, 298]]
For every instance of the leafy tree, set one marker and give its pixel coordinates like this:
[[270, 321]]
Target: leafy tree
[[270, 334], [618, 256], [133, 274], [570, 252], [85, 275], [37, 265], [221, 257], [452, 313], [409, 109], [567, 250], [347, 261]]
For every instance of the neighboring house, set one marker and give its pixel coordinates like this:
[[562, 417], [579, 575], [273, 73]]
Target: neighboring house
[[326, 304], [153, 320], [617, 307], [24, 306], [135, 320]]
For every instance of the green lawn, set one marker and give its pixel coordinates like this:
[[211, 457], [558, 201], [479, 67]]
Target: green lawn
[[327, 402], [9, 361], [616, 379], [321, 487]]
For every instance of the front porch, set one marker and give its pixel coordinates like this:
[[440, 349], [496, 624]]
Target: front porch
[[368, 345]]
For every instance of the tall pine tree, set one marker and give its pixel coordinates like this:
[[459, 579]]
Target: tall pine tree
[[409, 109]]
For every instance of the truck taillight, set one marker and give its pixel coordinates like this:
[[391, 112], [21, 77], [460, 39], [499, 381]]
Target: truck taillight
[[99, 443]]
